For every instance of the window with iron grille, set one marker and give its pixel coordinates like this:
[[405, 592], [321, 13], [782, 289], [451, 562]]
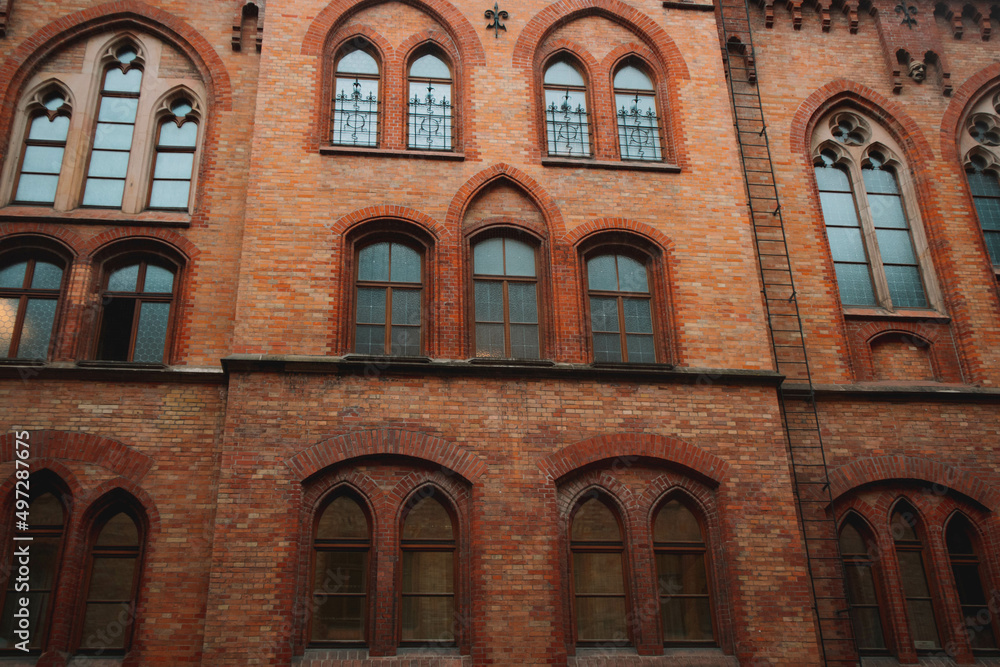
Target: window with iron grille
[[431, 105], [356, 103], [638, 123], [567, 121]]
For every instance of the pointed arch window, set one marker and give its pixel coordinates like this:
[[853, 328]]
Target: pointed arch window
[[981, 623], [173, 165], [979, 142], [917, 593], [985, 185], [862, 590], [427, 586], [44, 148], [356, 102], [114, 569], [340, 573], [621, 311], [638, 122], [431, 104], [138, 296], [682, 577], [29, 298], [598, 571], [567, 121], [506, 298]]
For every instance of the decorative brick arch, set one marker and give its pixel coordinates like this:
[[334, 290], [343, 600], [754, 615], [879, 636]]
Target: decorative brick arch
[[628, 448], [103, 240], [113, 455], [886, 468], [971, 89], [462, 32], [71, 241], [382, 442], [389, 211], [586, 230], [545, 203], [935, 336]]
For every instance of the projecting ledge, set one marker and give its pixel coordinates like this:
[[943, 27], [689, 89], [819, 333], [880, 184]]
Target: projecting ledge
[[882, 391]]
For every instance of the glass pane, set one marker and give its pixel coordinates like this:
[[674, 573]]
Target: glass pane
[[984, 184], [980, 631], [855, 284], [340, 571], [562, 73], [44, 558], [43, 129], [922, 625], [489, 301], [405, 264], [638, 127], [832, 178], [851, 542], [601, 619], [338, 619], [428, 520], [632, 77], [118, 109], [911, 571], [181, 107], [487, 257], [868, 628], [358, 62], [355, 115], [902, 525], [119, 531], [520, 258], [993, 246], [638, 318], [405, 341], [860, 584], [490, 341], [43, 159], [607, 347], [601, 273], [429, 116], [604, 313], [111, 578], [989, 213], [113, 137], [106, 193], [640, 349], [37, 329], [594, 522], [8, 317], [522, 302], [406, 307], [184, 136], [428, 619], [686, 619], [631, 275], [158, 279], [846, 244], [429, 66], [428, 572], [123, 280], [46, 510], [681, 574], [96, 621], [676, 523], [342, 518], [598, 573], [174, 165], [371, 305], [567, 122], [879, 181], [373, 262], [108, 164], [895, 246], [12, 275], [169, 194], [905, 288], [369, 339], [959, 537], [152, 334], [36, 188], [524, 341], [968, 583], [838, 209], [887, 211], [46, 276], [117, 82]]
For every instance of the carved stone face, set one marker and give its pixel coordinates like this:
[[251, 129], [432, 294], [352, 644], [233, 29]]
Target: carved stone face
[[918, 71]]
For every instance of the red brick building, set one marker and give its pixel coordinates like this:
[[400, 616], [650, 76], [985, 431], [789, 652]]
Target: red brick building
[[361, 333]]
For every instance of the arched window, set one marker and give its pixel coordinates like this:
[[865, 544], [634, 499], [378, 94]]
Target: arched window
[[979, 142], [174, 163], [356, 99], [389, 294], [427, 585], [506, 298], [138, 294], [29, 297], [114, 569], [47, 521], [340, 573], [985, 185], [876, 250], [685, 599], [116, 116], [567, 122], [913, 577], [621, 314], [431, 104], [598, 571], [862, 590], [44, 147], [638, 122], [981, 623]]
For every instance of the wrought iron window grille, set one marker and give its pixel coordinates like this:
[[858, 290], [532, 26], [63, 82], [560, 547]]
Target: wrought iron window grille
[[430, 122], [355, 118], [569, 129], [639, 133]]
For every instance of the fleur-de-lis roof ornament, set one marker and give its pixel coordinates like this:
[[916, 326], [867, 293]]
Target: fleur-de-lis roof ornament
[[908, 12], [495, 15]]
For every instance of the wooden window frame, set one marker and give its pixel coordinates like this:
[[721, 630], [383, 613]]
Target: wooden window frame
[[635, 61], [32, 255], [881, 605], [919, 547], [984, 578], [445, 57]]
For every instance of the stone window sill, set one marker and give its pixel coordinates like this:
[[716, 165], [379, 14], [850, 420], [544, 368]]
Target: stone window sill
[[912, 315], [697, 6], [451, 156], [94, 216], [627, 165]]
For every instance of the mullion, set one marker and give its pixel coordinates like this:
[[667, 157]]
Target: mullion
[[140, 283]]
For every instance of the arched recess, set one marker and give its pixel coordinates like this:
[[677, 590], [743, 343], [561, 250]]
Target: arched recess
[[588, 229], [379, 442], [939, 476], [122, 15], [113, 455], [72, 242], [465, 195], [388, 212], [628, 448]]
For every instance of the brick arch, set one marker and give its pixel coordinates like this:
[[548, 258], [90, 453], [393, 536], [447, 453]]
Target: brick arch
[[103, 495], [382, 442], [560, 13], [889, 468], [172, 238], [123, 460], [70, 240], [369, 213], [970, 90], [449, 17], [627, 448], [589, 63], [602, 483], [941, 350], [545, 203], [651, 234], [386, 52]]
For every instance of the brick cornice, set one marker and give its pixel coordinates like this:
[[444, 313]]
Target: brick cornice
[[94, 449]]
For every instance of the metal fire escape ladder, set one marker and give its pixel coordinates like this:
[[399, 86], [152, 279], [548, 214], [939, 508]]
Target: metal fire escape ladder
[[798, 401]]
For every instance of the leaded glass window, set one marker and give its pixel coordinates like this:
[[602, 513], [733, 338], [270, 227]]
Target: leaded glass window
[[174, 163], [862, 594], [567, 122], [621, 310], [29, 296], [356, 100], [910, 556], [506, 299], [135, 320], [389, 295], [638, 122], [986, 195], [980, 622], [340, 573], [682, 578], [598, 555], [428, 574], [114, 570], [43, 152], [431, 104]]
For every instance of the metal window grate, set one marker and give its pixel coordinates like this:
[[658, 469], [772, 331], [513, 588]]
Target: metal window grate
[[639, 133], [568, 128], [355, 118], [430, 122]]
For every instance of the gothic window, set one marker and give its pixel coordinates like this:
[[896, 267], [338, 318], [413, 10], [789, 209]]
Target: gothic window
[[356, 99], [567, 122], [340, 573], [862, 590], [682, 578], [505, 284], [980, 622], [137, 295], [29, 296], [173, 165], [638, 122], [429, 564], [620, 303], [431, 104], [979, 143], [389, 297], [985, 186], [44, 147], [874, 239], [917, 593], [598, 574]]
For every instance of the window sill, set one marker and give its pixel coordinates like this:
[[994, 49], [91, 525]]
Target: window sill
[[91, 216], [451, 156], [386, 358], [493, 361], [100, 363], [914, 315], [698, 6], [627, 165]]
